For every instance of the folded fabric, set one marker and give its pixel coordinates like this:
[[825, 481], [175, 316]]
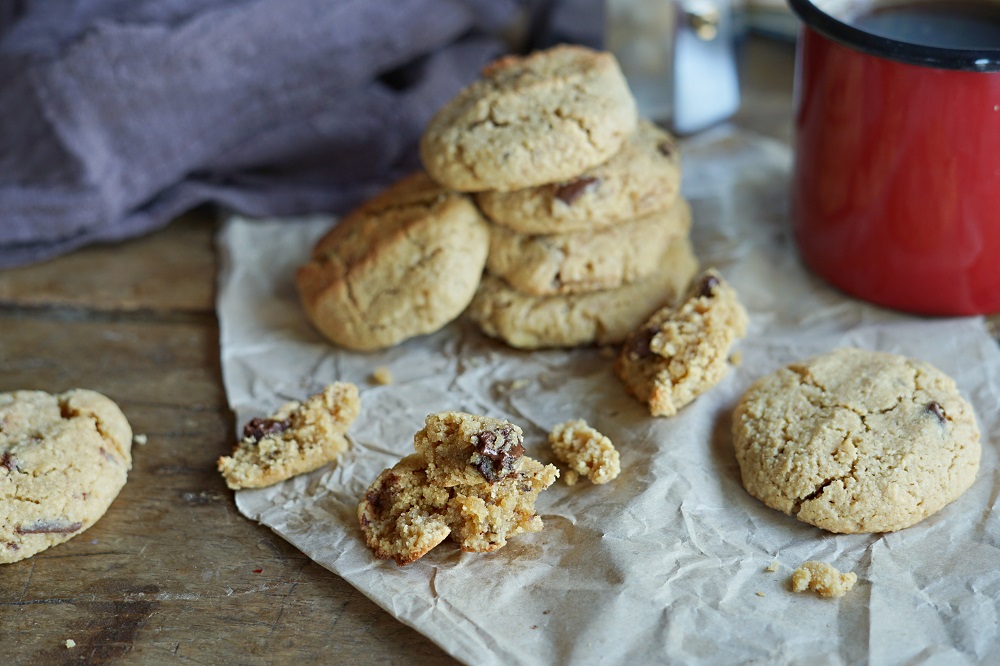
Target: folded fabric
[[118, 115]]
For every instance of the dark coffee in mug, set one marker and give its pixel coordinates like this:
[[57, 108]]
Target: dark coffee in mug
[[950, 24]]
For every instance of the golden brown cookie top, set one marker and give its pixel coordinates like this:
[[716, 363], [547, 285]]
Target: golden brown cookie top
[[856, 440]]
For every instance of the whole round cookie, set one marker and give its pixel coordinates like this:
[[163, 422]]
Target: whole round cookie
[[63, 459], [641, 178], [856, 441], [580, 261], [530, 120], [405, 263], [602, 317]]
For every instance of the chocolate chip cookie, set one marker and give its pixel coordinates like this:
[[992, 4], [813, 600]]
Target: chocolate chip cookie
[[403, 264], [582, 261], [602, 317], [856, 441], [529, 120], [683, 350], [63, 460], [641, 178], [299, 437]]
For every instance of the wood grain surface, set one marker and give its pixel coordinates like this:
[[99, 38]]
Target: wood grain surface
[[173, 573]]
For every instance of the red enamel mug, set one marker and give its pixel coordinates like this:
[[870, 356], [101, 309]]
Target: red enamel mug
[[895, 196]]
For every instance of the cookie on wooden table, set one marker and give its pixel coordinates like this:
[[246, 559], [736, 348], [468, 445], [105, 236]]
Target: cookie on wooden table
[[299, 437], [683, 350], [529, 120], [581, 261], [856, 441], [601, 317], [403, 264], [641, 178], [63, 460]]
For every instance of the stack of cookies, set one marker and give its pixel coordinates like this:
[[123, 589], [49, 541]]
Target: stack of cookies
[[588, 234]]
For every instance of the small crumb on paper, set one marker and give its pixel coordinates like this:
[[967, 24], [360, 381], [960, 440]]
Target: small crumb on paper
[[822, 578], [382, 375], [772, 567], [139, 439], [571, 477], [70, 643], [736, 358], [761, 594], [586, 451]]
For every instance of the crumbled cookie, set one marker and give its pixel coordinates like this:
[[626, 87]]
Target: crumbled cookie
[[466, 449], [641, 178], [822, 578], [298, 438], [63, 460], [382, 375], [583, 261], [601, 317], [682, 351], [408, 510], [403, 515], [404, 263], [856, 441], [482, 516], [529, 120], [585, 450]]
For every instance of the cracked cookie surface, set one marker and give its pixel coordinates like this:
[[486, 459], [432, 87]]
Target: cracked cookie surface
[[63, 460], [298, 438], [405, 263], [856, 441], [569, 320], [641, 178], [462, 448], [683, 351], [529, 120], [583, 261]]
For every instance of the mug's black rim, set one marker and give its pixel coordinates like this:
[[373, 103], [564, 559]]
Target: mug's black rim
[[973, 60]]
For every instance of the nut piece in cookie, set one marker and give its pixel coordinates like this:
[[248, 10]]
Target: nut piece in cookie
[[298, 438], [403, 264], [63, 460], [682, 351], [585, 450], [467, 449], [402, 515], [822, 578], [482, 516], [540, 118], [856, 441]]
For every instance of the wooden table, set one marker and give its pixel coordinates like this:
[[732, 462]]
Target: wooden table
[[173, 573]]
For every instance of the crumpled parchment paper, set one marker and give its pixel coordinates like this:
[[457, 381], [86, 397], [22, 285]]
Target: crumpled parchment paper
[[668, 561]]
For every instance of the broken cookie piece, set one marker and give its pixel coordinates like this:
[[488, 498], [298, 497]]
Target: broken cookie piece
[[586, 451], [463, 449], [683, 351], [298, 438], [822, 578], [483, 490]]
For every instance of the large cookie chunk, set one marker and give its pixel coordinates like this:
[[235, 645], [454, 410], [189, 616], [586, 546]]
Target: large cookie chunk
[[63, 460], [582, 261], [403, 264], [529, 120], [856, 441], [465, 449], [682, 351], [641, 178], [299, 437], [601, 317]]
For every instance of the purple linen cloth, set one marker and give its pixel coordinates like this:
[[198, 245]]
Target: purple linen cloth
[[117, 115]]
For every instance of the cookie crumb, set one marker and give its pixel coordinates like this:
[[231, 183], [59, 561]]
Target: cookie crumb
[[822, 578], [585, 450], [571, 477], [70, 643], [761, 594], [382, 375], [139, 439], [772, 567], [736, 358]]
